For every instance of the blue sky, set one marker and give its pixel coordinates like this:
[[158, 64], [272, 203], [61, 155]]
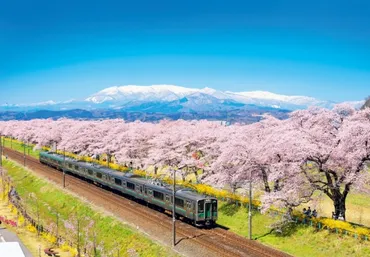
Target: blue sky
[[58, 50]]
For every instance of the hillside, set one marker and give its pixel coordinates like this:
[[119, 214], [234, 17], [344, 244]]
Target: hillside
[[367, 103], [248, 114]]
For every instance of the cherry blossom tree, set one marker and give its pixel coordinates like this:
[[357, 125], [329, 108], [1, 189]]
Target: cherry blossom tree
[[324, 150], [313, 150]]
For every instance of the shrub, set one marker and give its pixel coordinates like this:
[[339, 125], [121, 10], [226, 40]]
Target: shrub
[[49, 237], [65, 247], [31, 228], [21, 220]]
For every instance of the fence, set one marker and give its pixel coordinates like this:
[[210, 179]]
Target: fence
[[16, 203]]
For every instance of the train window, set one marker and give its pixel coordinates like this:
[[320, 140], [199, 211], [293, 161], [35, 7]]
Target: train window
[[117, 181], [90, 172], [200, 206], [150, 191], [70, 165], [130, 186], [179, 202], [76, 167], [158, 195], [167, 198], [99, 175]]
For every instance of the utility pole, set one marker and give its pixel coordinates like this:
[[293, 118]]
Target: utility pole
[[250, 208], [108, 157], [57, 234], [64, 168], [174, 210], [24, 154], [38, 217], [78, 238]]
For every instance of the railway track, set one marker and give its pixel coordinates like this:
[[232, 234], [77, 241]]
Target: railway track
[[217, 240]]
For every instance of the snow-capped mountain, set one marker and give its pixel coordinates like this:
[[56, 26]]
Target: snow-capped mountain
[[268, 96], [167, 93], [151, 103], [196, 102], [172, 99], [129, 93]]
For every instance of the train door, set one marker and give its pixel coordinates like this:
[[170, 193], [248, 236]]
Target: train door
[[145, 193], [200, 210], [139, 191], [150, 195], [208, 210], [214, 209], [189, 210], [168, 202]]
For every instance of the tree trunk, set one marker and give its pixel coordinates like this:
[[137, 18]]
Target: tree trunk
[[265, 180], [332, 186], [233, 188], [340, 206], [195, 170], [277, 185]]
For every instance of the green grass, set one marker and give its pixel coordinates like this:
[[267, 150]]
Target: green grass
[[236, 218], [108, 227], [20, 147], [357, 205], [297, 240]]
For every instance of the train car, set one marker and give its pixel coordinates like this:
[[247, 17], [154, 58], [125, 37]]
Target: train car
[[197, 208]]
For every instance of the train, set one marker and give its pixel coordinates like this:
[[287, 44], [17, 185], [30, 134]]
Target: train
[[199, 210]]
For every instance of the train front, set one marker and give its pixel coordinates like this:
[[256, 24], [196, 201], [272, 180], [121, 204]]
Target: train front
[[207, 211]]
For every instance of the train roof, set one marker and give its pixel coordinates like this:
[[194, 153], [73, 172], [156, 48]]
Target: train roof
[[58, 156], [190, 194]]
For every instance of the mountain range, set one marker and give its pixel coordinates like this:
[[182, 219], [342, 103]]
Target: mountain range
[[167, 101]]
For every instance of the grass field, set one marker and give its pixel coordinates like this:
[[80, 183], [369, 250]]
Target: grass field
[[15, 145], [298, 240], [108, 227], [358, 208]]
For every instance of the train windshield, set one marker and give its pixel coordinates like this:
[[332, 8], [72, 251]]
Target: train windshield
[[200, 206]]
